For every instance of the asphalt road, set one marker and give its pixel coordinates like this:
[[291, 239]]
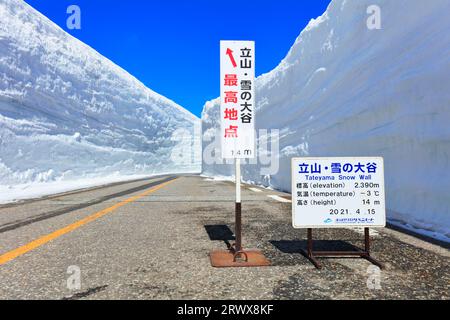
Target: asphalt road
[[150, 240]]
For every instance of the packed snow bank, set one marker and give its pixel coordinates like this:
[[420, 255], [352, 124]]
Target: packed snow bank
[[345, 90], [69, 114], [16, 193]]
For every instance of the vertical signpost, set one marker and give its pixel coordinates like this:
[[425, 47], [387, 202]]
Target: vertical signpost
[[237, 114], [337, 193]]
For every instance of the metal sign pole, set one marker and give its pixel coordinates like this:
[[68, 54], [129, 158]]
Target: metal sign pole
[[237, 94], [237, 256], [238, 230]]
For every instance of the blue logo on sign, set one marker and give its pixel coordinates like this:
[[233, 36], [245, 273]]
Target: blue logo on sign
[[328, 220]]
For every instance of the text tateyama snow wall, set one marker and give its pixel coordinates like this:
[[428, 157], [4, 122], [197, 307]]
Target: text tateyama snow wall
[[68, 113], [345, 90]]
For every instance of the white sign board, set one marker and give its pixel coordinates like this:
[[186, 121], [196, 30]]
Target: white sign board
[[237, 94], [338, 192]]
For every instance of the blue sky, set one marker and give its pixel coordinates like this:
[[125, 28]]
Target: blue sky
[[172, 46]]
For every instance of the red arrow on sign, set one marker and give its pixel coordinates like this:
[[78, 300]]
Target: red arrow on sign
[[230, 54]]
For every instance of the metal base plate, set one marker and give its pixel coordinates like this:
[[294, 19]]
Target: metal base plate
[[225, 259]]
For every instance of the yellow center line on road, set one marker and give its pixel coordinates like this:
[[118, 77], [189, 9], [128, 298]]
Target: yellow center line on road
[[11, 255]]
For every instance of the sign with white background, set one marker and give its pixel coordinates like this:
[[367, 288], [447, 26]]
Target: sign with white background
[[237, 112], [338, 192]]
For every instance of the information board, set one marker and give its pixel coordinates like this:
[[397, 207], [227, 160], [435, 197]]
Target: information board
[[338, 192]]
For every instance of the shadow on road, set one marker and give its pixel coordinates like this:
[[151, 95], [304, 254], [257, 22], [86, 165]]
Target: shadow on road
[[296, 246], [220, 233]]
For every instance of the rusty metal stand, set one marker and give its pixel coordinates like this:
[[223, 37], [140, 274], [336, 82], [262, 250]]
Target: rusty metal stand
[[236, 256], [238, 222], [365, 254]]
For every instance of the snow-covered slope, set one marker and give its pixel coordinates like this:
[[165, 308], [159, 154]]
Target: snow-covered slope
[[345, 90], [69, 116]]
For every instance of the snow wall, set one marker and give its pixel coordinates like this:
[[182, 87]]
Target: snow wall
[[345, 90], [71, 118]]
